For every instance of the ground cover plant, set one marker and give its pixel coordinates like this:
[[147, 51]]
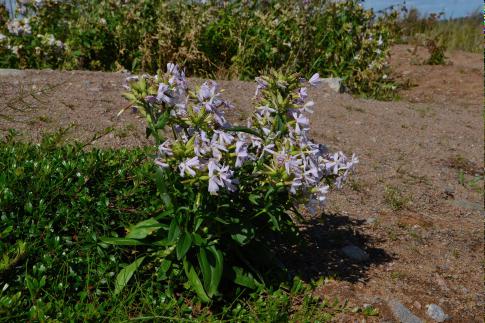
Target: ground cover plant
[[239, 39]]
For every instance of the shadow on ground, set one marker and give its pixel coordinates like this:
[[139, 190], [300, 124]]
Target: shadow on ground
[[320, 253]]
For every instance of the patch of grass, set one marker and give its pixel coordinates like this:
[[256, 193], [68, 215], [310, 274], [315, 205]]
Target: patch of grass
[[395, 199], [425, 111], [125, 131], [369, 310], [57, 200], [474, 183], [397, 275], [353, 108], [392, 234], [45, 119], [462, 163]]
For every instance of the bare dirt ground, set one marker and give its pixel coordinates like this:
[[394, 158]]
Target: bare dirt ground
[[415, 204]]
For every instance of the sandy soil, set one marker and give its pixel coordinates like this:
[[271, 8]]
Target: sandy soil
[[415, 204]]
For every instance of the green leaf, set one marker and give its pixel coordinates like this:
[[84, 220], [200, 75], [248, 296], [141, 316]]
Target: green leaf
[[198, 223], [268, 193], [240, 238], [161, 183], [253, 198], [216, 271], [142, 229], [162, 253], [204, 267], [195, 281], [173, 231], [122, 241], [274, 221], [4, 234], [164, 214], [162, 121], [218, 219], [244, 129], [125, 275], [244, 279], [183, 244], [198, 240]]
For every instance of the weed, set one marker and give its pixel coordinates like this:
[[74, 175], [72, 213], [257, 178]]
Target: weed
[[45, 119], [397, 275], [395, 198], [352, 108], [461, 163], [369, 310], [393, 234], [436, 50], [415, 235], [125, 131], [357, 185]]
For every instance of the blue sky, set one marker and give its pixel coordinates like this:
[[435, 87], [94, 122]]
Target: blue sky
[[452, 8]]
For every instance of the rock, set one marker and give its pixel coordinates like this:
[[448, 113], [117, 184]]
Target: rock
[[468, 205], [436, 313], [5, 72], [417, 305], [355, 253], [441, 283], [449, 192], [334, 83], [402, 313], [371, 220]]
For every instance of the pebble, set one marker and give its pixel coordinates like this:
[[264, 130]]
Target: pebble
[[449, 192], [371, 220], [334, 83], [402, 313], [417, 305], [355, 253], [436, 313]]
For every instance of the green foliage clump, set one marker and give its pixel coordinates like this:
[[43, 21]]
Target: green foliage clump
[[240, 39], [57, 200]]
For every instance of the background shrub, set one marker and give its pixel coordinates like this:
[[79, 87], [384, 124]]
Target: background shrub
[[215, 39]]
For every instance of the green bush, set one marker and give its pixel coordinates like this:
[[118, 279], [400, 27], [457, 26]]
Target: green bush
[[219, 39]]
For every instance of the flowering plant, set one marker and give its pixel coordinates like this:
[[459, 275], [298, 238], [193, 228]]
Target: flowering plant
[[226, 188]]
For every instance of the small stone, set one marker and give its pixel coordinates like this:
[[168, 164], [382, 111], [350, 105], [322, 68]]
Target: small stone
[[436, 313], [449, 192], [402, 313], [334, 83], [441, 283], [417, 305], [355, 253], [371, 220]]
